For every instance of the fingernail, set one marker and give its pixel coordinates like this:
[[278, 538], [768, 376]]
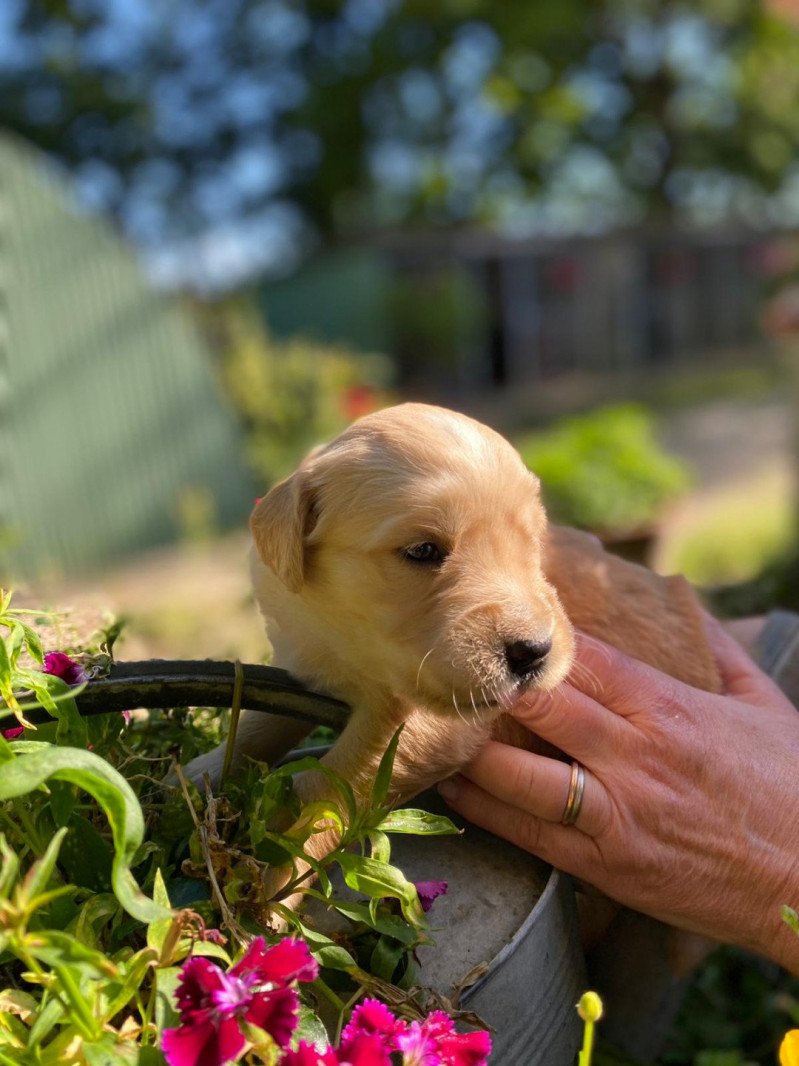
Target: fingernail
[[450, 788]]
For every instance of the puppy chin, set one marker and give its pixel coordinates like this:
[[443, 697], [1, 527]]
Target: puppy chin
[[469, 707]]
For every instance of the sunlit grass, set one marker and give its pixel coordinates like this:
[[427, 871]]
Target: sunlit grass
[[731, 533]]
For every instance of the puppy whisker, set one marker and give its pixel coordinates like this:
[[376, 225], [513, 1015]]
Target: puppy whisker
[[457, 708], [581, 672], [421, 664]]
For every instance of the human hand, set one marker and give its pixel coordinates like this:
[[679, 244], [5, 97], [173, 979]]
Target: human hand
[[690, 811]]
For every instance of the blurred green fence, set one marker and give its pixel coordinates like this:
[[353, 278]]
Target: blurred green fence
[[110, 415]]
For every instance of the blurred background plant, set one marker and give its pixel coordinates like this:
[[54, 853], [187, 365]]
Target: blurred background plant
[[605, 471], [435, 316], [292, 394]]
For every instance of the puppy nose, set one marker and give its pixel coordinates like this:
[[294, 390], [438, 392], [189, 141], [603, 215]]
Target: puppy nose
[[524, 657]]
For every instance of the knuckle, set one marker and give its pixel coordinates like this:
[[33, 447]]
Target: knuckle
[[604, 817], [524, 780], [528, 834]]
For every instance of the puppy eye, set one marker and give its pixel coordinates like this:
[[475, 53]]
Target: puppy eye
[[425, 553]]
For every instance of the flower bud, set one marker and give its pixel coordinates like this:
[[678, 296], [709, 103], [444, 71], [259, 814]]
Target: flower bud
[[590, 1007]]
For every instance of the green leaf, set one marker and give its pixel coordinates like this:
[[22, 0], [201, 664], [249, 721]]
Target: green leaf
[[15, 1001], [49, 698], [59, 949], [38, 876], [390, 924], [115, 796], [311, 765], [133, 972], [22, 747], [58, 699], [381, 846], [14, 643], [378, 880], [326, 952], [94, 913], [49, 1016], [190, 946], [6, 751], [150, 1056], [63, 798], [384, 771], [108, 1051], [166, 983], [157, 931], [33, 643], [272, 851], [9, 868], [791, 918], [310, 817], [263, 1043], [5, 664], [418, 822], [86, 856], [9, 1058], [311, 1029], [385, 958]]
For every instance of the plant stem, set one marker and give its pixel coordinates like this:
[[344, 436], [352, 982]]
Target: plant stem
[[330, 995], [587, 1049], [235, 711], [33, 841]]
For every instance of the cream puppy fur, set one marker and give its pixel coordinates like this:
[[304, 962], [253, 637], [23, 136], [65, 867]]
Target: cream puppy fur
[[408, 569]]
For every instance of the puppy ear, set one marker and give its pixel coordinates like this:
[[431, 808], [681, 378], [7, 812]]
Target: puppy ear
[[279, 524]]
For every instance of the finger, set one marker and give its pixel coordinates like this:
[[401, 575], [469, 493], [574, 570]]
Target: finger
[[563, 846], [614, 679], [571, 721], [537, 785], [584, 716], [741, 677]]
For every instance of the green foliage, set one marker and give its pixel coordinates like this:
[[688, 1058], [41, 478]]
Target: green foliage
[[89, 960], [21, 659], [295, 394], [736, 1012], [604, 471]]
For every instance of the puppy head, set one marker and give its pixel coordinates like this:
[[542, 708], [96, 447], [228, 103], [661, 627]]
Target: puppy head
[[408, 555]]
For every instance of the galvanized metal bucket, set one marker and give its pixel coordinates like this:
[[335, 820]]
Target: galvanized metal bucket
[[516, 915]]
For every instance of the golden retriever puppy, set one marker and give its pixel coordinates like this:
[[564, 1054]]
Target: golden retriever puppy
[[408, 569]]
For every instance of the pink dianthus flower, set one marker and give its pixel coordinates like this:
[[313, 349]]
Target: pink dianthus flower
[[213, 1003]]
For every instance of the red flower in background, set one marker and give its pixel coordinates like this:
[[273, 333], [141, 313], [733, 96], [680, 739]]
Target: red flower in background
[[359, 400]]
